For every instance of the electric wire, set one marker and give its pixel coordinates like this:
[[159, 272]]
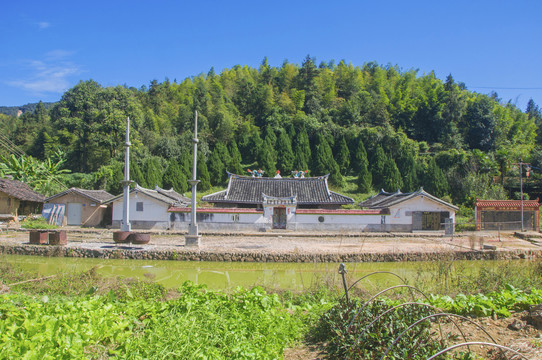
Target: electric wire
[[14, 150]]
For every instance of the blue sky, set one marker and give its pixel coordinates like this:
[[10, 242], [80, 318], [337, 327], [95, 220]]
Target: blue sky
[[49, 46]]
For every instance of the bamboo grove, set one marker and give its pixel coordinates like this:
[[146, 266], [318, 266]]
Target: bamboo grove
[[370, 127]]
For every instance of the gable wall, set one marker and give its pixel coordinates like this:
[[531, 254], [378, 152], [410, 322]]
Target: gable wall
[[92, 213], [153, 216], [8, 204], [402, 213]]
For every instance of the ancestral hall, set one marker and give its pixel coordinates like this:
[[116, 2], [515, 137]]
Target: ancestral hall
[[294, 203]]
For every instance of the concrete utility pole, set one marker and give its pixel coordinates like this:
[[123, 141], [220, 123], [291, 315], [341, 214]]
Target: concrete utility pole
[[193, 238], [126, 183], [521, 163]]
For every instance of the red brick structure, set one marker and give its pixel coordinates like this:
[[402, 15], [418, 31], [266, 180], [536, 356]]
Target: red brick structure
[[506, 214]]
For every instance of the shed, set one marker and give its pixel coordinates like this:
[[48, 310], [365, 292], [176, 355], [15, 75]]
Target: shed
[[17, 198], [507, 214], [82, 207]]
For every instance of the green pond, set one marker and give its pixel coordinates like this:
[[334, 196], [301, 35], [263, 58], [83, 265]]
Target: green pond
[[229, 275]]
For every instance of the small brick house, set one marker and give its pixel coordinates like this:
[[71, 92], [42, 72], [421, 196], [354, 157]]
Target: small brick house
[[83, 207]]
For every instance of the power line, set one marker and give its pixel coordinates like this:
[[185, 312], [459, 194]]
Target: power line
[[13, 149], [504, 88]]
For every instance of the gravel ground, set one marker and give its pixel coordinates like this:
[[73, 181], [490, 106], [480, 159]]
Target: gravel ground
[[301, 243]]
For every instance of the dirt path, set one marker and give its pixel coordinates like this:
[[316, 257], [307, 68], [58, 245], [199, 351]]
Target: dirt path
[[308, 243]]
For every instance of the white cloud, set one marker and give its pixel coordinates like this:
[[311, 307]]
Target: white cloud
[[43, 25], [50, 75]]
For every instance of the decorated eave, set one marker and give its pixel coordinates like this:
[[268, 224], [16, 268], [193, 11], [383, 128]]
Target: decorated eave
[[385, 199], [507, 204], [98, 196], [170, 197], [250, 190]]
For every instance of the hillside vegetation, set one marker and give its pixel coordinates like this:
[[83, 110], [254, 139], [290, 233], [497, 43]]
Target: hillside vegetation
[[370, 127]]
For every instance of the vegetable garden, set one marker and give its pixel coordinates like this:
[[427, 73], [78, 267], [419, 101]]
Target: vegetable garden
[[81, 315]]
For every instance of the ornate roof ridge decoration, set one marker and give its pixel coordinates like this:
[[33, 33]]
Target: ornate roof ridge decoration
[[386, 199], [248, 190]]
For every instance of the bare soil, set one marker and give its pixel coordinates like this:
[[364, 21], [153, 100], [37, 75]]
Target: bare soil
[[527, 341], [303, 243]]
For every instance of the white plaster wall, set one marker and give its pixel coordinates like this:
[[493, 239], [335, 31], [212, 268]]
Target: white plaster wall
[[154, 212], [340, 219], [399, 212]]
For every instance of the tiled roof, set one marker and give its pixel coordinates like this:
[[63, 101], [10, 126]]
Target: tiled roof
[[507, 204], [170, 197], [385, 200], [98, 196], [20, 190], [172, 194], [250, 190]]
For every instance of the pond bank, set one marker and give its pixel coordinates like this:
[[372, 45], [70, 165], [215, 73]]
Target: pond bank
[[283, 247]]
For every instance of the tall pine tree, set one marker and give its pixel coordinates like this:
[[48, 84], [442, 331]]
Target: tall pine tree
[[203, 174], [285, 156], [365, 179], [342, 156], [174, 177], [302, 150]]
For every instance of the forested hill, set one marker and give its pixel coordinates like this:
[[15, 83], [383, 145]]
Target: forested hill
[[371, 126], [12, 110]]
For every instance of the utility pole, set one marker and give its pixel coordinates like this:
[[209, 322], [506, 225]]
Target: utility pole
[[126, 226], [193, 237], [521, 163]]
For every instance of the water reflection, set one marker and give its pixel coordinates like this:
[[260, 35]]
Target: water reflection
[[224, 275]]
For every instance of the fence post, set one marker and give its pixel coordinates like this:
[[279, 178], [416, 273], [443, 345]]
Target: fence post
[[342, 271]]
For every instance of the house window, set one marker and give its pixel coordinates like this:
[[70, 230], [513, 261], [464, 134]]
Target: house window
[[139, 206]]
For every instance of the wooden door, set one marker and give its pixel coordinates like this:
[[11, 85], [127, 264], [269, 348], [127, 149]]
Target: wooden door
[[279, 218]]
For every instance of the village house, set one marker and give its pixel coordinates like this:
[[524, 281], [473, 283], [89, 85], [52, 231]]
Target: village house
[[264, 203], [78, 207], [507, 214], [412, 211], [148, 208], [17, 198]]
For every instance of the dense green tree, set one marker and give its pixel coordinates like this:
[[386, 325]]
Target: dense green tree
[[434, 181], [391, 177], [234, 165], [136, 175], [216, 167], [361, 168], [285, 156], [302, 150], [203, 174], [324, 163], [152, 171], [480, 123], [174, 177], [342, 156], [378, 164]]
